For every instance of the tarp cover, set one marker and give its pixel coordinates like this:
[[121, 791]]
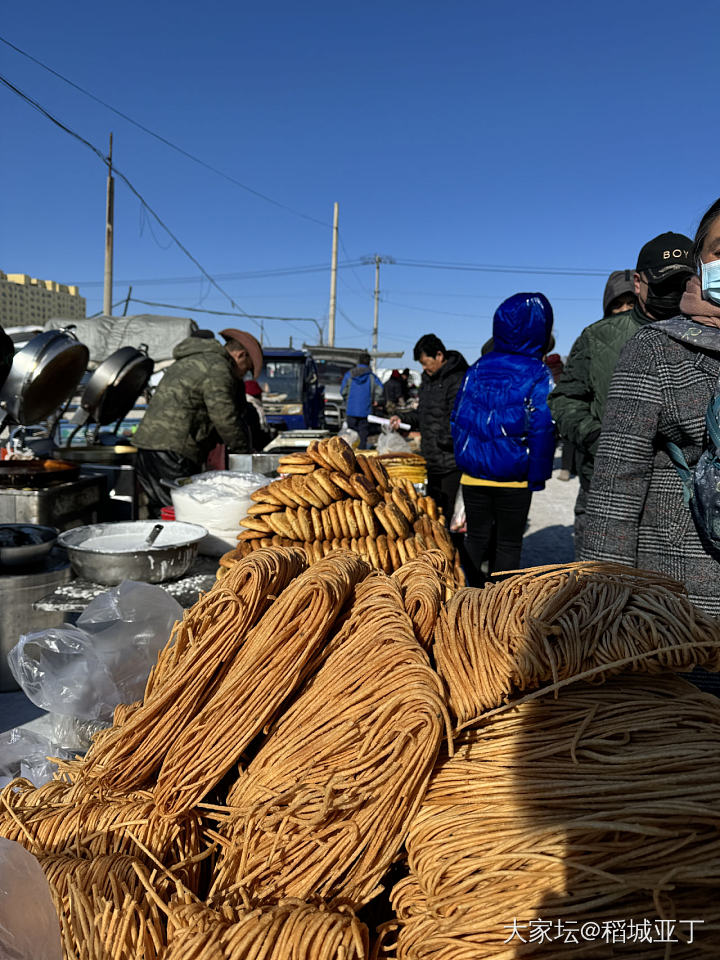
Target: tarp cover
[[104, 335]]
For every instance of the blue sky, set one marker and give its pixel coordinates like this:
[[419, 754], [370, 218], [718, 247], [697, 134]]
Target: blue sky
[[557, 136]]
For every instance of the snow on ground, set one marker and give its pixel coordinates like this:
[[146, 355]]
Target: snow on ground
[[548, 537]]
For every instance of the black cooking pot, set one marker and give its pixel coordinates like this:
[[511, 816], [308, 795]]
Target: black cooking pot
[[43, 375], [115, 385]]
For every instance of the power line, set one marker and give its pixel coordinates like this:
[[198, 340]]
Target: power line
[[219, 313], [497, 268], [168, 143], [118, 173], [246, 275]]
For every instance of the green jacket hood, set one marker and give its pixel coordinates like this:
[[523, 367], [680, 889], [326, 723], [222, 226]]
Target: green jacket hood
[[194, 346]]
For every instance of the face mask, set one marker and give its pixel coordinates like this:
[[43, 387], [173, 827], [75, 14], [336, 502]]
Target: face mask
[[665, 305], [710, 280]]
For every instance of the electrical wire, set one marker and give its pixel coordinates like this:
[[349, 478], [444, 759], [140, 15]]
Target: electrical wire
[[246, 275], [498, 268], [168, 143], [126, 181], [219, 313]]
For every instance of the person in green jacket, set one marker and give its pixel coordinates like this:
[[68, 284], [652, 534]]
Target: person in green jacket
[[198, 403], [578, 401]]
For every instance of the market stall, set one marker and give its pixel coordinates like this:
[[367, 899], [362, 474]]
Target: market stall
[[343, 753]]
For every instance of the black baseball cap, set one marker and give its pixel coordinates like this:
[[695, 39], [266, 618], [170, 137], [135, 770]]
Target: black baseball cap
[[665, 256]]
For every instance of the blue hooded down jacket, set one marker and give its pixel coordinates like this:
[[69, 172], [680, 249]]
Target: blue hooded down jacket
[[501, 424]]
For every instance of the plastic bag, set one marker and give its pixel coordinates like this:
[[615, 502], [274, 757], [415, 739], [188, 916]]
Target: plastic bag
[[29, 926], [24, 753], [458, 524], [349, 436], [390, 441], [87, 670], [217, 500]]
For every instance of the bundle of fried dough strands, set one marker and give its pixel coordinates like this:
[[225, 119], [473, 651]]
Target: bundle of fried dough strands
[[103, 908], [192, 666], [322, 810], [425, 583], [59, 818], [289, 931], [277, 655], [549, 624], [597, 806]]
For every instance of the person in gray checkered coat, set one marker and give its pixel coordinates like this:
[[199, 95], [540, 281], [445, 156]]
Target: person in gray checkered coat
[[664, 378]]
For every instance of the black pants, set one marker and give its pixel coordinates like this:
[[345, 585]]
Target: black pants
[[362, 426], [154, 466], [443, 488], [499, 510]]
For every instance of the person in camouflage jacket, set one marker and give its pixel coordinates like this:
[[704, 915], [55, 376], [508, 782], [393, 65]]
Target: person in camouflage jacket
[[198, 403]]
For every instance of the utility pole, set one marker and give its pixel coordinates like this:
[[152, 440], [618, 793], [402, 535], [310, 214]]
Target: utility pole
[[109, 218], [333, 279], [377, 260]]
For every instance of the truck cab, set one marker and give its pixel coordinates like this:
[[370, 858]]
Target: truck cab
[[292, 395]]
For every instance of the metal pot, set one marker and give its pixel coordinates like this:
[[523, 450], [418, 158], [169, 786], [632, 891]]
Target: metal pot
[[18, 554], [109, 553], [43, 375], [115, 385]]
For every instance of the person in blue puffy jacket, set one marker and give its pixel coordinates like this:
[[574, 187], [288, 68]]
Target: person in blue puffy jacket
[[362, 390], [503, 433]]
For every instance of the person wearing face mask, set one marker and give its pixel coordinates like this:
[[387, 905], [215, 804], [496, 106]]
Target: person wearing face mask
[[665, 376], [632, 299]]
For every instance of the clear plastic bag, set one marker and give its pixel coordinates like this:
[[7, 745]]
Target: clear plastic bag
[[390, 441], [349, 436], [24, 753], [458, 524], [85, 671], [29, 926]]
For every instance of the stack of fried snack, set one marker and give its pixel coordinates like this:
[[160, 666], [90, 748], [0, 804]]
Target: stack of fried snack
[[333, 499], [317, 670], [403, 466], [584, 827], [558, 624], [288, 750]]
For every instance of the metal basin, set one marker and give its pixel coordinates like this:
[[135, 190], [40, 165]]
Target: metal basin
[[23, 544], [109, 553]]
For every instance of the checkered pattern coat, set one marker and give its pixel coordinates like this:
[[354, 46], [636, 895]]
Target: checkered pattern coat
[[636, 515]]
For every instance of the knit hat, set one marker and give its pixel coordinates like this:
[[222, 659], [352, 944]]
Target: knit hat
[[619, 282], [251, 345], [252, 388]]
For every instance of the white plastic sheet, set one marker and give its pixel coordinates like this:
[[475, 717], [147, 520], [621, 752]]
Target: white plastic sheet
[[29, 926], [218, 500]]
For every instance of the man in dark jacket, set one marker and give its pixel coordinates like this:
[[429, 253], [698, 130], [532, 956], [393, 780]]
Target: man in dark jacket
[[197, 404], [443, 373], [578, 401], [361, 389]]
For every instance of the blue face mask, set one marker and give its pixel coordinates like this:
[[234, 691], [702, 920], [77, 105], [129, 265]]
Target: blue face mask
[[710, 279]]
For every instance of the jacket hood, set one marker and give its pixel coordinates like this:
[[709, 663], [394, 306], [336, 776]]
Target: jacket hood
[[198, 345], [690, 333], [522, 324], [454, 362]]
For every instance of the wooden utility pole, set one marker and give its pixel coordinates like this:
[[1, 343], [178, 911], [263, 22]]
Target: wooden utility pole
[[109, 217], [333, 279]]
